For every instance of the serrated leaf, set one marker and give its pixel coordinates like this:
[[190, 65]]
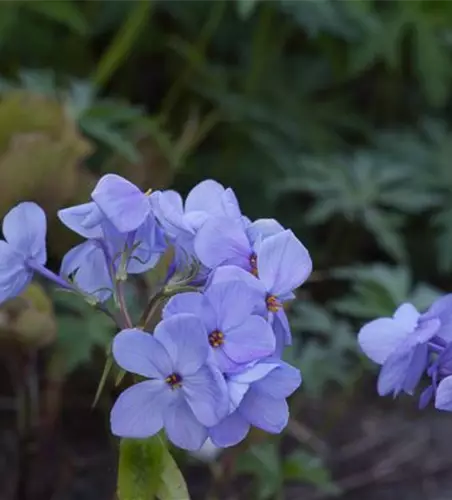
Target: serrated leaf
[[147, 471]]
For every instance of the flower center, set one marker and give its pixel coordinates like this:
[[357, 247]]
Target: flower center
[[273, 304], [253, 264], [216, 338], [174, 380]]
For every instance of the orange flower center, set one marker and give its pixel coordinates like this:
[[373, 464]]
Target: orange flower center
[[273, 304], [216, 338], [174, 380]]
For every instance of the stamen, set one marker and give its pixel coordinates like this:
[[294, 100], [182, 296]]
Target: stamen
[[216, 338], [148, 192], [174, 380], [253, 264], [273, 304]]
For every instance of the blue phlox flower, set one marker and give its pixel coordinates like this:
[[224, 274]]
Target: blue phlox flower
[[184, 393], [23, 250], [114, 198], [95, 262], [282, 264], [236, 336], [257, 398], [182, 221], [401, 345]]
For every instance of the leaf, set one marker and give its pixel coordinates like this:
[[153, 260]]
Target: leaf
[[245, 8], [122, 44], [308, 468], [148, 471], [64, 12]]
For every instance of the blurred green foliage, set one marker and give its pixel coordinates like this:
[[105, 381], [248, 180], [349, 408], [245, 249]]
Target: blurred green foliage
[[332, 116]]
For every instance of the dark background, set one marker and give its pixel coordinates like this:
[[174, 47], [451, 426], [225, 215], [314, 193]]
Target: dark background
[[332, 116]]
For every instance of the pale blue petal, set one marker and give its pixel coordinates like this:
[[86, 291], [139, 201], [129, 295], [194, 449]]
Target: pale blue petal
[[138, 352], [280, 382], [418, 365], [233, 273], [262, 411], [222, 241], [283, 263], [14, 275], [233, 302], [83, 219], [393, 373], [91, 269], [254, 372], [151, 246], [426, 396], [251, 340], [229, 431], [189, 302], [168, 208], [236, 392], [407, 317], [125, 205], [206, 393], [206, 197], [138, 411], [182, 427], [443, 399], [380, 338], [263, 228], [185, 339], [231, 207], [25, 228]]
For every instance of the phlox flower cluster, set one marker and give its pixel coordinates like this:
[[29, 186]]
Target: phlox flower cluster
[[212, 367], [410, 345]]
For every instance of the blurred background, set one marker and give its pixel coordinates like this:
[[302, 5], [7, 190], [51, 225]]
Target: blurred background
[[332, 116]]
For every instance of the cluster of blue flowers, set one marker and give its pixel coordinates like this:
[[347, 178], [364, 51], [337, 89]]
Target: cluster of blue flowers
[[410, 345], [213, 364]]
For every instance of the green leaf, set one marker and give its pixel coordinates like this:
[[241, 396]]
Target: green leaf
[[64, 12], [147, 471], [122, 44], [245, 8], [308, 468]]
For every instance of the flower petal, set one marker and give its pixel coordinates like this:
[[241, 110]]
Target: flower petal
[[14, 275], [283, 263], [407, 317], [443, 399], [205, 197], [416, 368], [264, 412], [168, 208], [442, 309], [393, 373], [122, 202], [263, 228], [251, 340], [88, 262], [138, 411], [182, 427], [189, 302], [139, 352], [25, 228], [185, 339], [426, 396], [235, 273], [83, 219], [280, 382], [233, 302], [230, 431], [151, 245], [207, 395], [254, 372], [222, 241], [380, 338]]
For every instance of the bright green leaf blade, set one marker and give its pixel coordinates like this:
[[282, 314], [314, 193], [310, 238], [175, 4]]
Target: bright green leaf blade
[[147, 471], [64, 12], [172, 485]]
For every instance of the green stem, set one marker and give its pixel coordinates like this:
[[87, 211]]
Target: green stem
[[200, 46]]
